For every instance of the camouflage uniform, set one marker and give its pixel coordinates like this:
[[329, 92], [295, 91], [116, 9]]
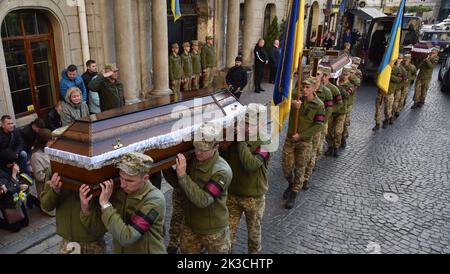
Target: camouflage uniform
[[208, 59], [186, 62], [411, 71], [355, 81], [248, 161], [403, 75], [175, 71], [337, 106], [342, 122], [68, 247], [196, 67], [387, 99], [424, 78]]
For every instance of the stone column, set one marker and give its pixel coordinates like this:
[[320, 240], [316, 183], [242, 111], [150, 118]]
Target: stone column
[[232, 31], [144, 46], [126, 49], [160, 46], [249, 21]]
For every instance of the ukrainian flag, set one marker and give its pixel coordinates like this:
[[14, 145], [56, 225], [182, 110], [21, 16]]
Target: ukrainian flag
[[392, 51], [292, 51], [176, 10]]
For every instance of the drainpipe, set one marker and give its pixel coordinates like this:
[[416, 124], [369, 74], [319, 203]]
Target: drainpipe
[[83, 30]]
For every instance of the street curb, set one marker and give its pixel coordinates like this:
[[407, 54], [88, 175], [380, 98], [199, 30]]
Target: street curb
[[34, 239]]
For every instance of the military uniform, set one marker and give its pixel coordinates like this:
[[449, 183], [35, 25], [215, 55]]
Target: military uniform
[[387, 100], [397, 106], [248, 161], [337, 106], [196, 67], [411, 72], [423, 79], [176, 73], [208, 60], [349, 89], [311, 118], [135, 220], [355, 81], [186, 62]]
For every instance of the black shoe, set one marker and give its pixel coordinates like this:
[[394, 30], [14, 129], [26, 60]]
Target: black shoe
[[421, 104], [377, 127], [336, 153], [391, 121], [172, 250], [330, 151], [397, 115], [291, 200], [263, 90], [385, 124], [416, 105], [305, 185], [257, 91], [286, 192], [344, 143]]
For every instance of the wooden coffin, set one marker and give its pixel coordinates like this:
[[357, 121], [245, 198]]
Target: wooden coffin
[[421, 50], [336, 63], [88, 150]]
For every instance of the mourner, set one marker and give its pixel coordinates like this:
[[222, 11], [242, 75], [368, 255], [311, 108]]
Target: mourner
[[69, 79], [134, 215], [237, 78], [73, 107], [109, 88], [11, 138]]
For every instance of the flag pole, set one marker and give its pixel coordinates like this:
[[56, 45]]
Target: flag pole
[[299, 88]]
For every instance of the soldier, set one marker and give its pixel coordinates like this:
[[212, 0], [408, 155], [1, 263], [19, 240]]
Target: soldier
[[298, 145], [175, 69], [204, 181], [403, 76], [387, 100], [351, 85], [208, 58], [424, 77], [346, 89], [248, 161], [326, 97], [196, 65], [135, 218], [411, 71], [186, 62]]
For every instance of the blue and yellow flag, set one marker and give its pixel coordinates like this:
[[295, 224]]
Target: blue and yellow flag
[[292, 50], [176, 10], [392, 51]]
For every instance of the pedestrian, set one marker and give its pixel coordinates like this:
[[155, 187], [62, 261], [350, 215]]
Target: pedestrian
[[11, 138], [261, 59], [135, 215], [69, 79], [109, 88], [424, 78], [73, 107], [274, 59], [196, 65], [247, 192], [208, 60], [186, 63], [237, 78], [176, 74], [298, 145]]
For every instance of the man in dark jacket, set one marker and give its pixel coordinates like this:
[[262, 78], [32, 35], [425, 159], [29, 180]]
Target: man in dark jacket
[[90, 73], [109, 88], [11, 138], [237, 78], [53, 120], [275, 54], [261, 59], [29, 134]]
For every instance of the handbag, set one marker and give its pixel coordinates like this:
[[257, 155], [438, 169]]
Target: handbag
[[13, 215]]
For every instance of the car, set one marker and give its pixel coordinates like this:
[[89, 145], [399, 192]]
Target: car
[[444, 75]]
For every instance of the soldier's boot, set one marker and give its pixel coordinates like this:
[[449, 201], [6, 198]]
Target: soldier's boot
[[287, 191], [385, 123], [376, 127], [330, 151], [391, 120], [344, 143], [416, 105], [421, 104], [336, 153], [305, 185], [172, 250], [291, 200], [397, 114]]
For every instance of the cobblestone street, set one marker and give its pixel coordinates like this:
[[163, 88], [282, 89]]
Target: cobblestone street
[[346, 210]]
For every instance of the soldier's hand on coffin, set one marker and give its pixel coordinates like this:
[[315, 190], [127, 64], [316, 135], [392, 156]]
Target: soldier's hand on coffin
[[296, 137], [107, 190], [85, 198], [55, 183], [181, 165]]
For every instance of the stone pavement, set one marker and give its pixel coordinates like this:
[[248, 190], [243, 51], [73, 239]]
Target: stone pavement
[[345, 210]]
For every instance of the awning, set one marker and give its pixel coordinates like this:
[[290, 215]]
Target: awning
[[367, 13]]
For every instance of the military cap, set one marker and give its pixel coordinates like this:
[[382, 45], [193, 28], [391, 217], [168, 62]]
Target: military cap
[[209, 37], [111, 67], [325, 70], [346, 70], [175, 45], [309, 81], [135, 163], [354, 67], [307, 69], [435, 49], [207, 136], [195, 42], [253, 110], [407, 57], [356, 60], [186, 44]]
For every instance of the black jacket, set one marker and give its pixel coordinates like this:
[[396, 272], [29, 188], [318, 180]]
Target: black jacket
[[260, 56], [53, 120], [275, 55], [6, 200], [12, 141], [87, 77], [28, 137], [237, 77]]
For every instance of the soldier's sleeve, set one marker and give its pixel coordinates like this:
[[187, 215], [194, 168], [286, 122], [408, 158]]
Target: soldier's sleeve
[[141, 222], [344, 92], [395, 78], [170, 69], [49, 199], [249, 161], [203, 58], [93, 222], [97, 83], [204, 197], [318, 121], [428, 64]]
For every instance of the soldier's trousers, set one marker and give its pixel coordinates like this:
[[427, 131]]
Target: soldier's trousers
[[177, 220], [208, 77], [405, 91], [295, 158], [67, 247], [195, 243], [397, 106], [338, 130], [175, 86], [316, 143], [253, 208], [196, 82], [187, 85], [385, 101], [421, 90], [348, 120]]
